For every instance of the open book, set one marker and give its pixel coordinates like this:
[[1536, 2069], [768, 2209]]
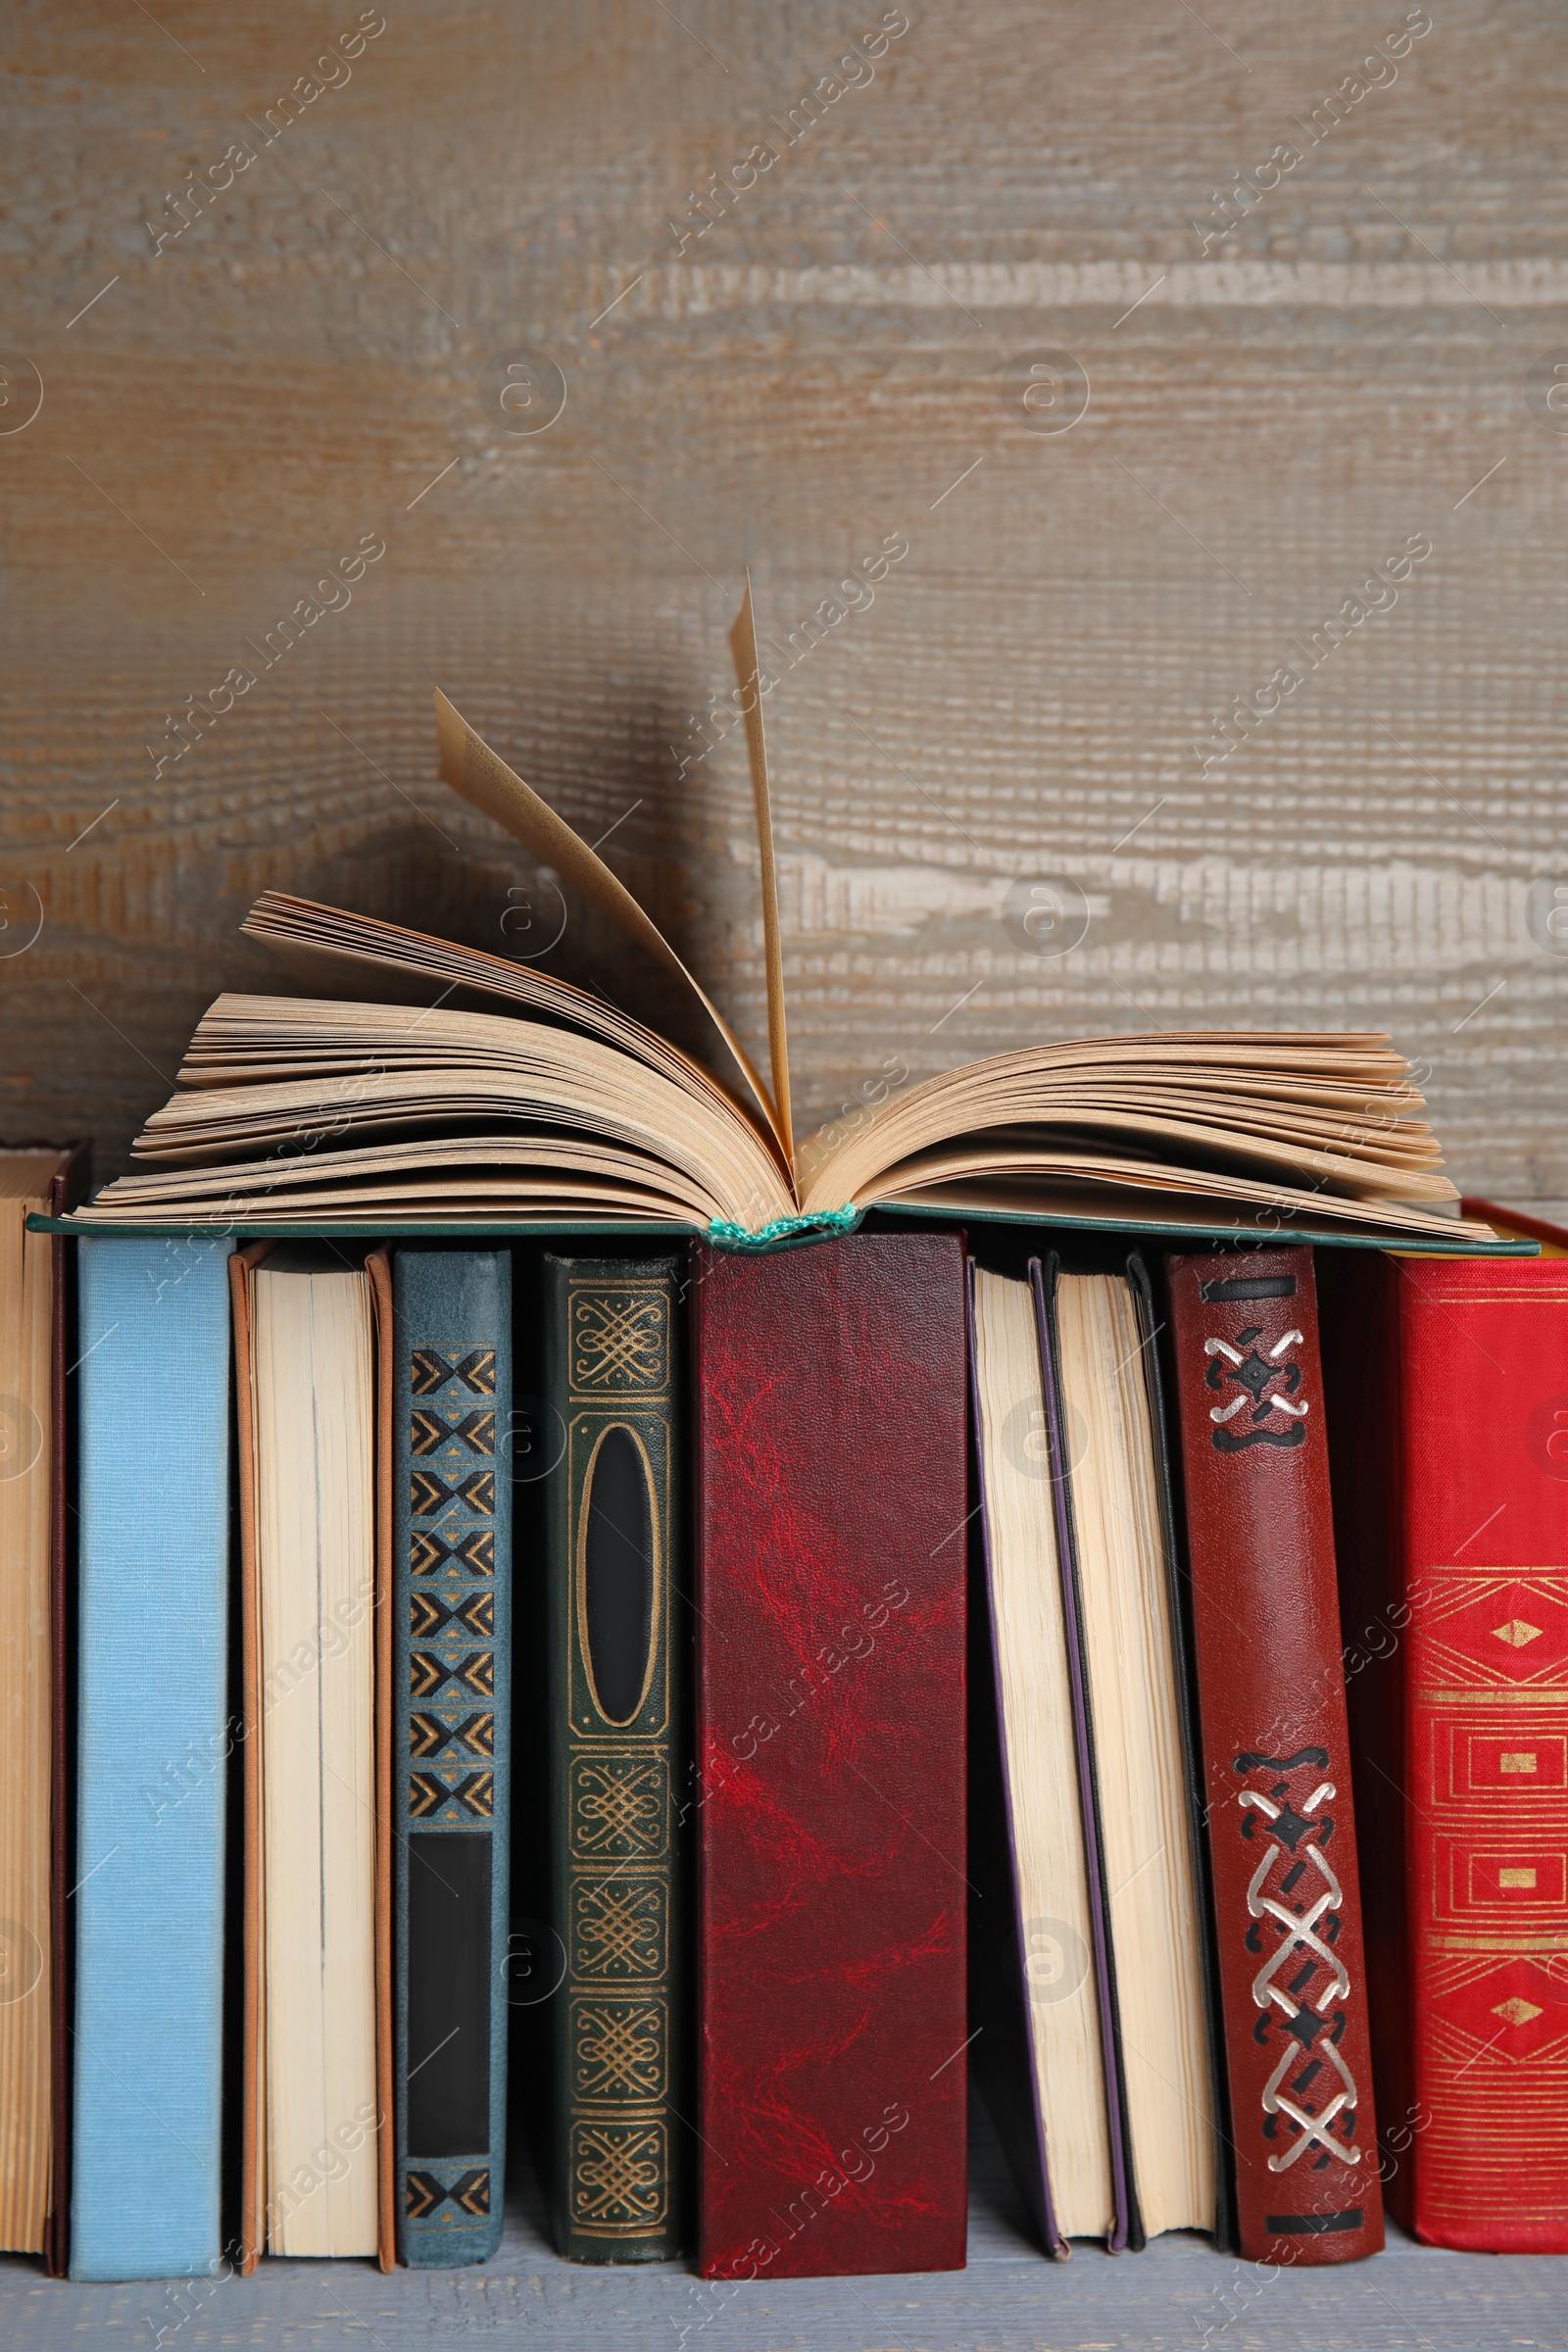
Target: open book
[[376, 1097]]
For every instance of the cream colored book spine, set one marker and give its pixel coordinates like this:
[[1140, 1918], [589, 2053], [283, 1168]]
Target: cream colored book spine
[[315, 1528]]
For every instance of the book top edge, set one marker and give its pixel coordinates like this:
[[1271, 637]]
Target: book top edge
[[85, 1227]]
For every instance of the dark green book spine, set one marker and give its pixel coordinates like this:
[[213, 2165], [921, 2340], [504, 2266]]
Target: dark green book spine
[[613, 1513], [451, 1590]]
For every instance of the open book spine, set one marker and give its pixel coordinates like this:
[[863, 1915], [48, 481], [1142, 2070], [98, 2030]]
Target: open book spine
[[614, 1375], [452, 1756], [1276, 1755]]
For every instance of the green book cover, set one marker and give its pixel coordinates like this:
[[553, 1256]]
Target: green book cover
[[611, 1343]]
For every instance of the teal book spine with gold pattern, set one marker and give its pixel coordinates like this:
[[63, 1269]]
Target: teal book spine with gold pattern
[[612, 1517], [451, 1590]]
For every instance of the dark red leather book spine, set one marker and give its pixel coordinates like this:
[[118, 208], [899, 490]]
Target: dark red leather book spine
[[1454, 1425], [830, 1534], [1276, 1755]]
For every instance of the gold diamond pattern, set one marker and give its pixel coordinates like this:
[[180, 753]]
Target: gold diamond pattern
[[617, 2176], [621, 1928], [618, 1807], [619, 2049], [620, 1342]]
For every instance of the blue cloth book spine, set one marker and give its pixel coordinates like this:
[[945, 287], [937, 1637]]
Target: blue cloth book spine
[[451, 1760], [153, 1685]]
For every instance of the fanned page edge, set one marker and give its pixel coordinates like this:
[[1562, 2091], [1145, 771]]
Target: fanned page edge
[[748, 677], [481, 776], [866, 1183]]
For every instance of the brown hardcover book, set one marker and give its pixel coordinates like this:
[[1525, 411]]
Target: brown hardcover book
[[33, 1436], [1276, 1755]]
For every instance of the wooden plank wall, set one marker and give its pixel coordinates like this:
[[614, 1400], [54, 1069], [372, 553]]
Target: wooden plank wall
[[1009, 744]]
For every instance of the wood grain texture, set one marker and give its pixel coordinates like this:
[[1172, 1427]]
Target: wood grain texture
[[810, 377]]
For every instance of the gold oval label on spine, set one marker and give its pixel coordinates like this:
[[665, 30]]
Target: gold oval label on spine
[[619, 1575]]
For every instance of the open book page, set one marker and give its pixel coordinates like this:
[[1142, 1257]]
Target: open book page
[[583, 1112], [473, 769], [1065, 1185], [748, 673], [495, 1176], [1327, 1118], [267, 1075], [334, 953]]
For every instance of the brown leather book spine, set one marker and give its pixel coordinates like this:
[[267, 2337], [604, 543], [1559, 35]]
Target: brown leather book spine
[[1276, 1755], [68, 1187]]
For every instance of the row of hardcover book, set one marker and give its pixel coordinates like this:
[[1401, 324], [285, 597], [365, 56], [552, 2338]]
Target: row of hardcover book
[[694, 1706]]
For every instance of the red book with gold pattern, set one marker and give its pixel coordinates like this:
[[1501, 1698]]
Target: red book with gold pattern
[[1449, 1426], [1276, 1755], [830, 1471]]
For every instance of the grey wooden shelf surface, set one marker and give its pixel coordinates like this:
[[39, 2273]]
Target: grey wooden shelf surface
[[1178, 2296]]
